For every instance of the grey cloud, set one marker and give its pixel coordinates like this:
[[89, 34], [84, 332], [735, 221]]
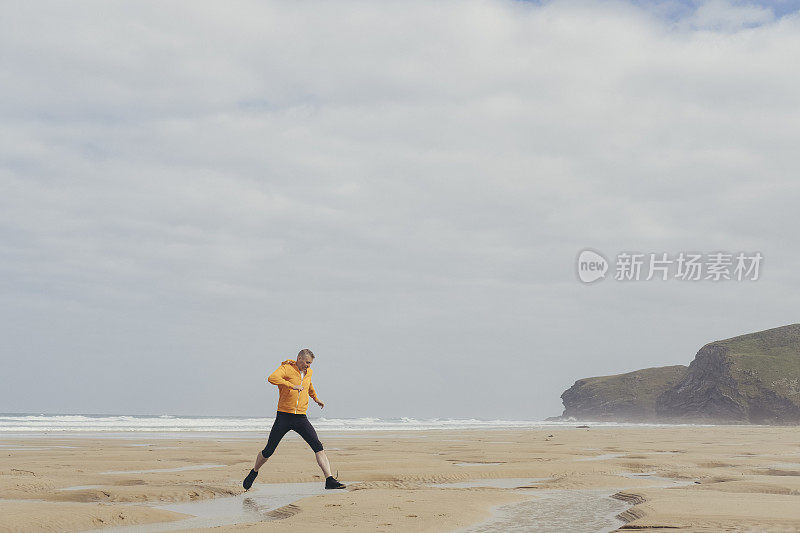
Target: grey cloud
[[189, 194]]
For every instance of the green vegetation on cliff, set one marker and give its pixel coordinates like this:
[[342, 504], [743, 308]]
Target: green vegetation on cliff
[[769, 359], [630, 397]]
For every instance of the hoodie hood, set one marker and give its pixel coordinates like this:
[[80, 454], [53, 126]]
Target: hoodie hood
[[292, 363]]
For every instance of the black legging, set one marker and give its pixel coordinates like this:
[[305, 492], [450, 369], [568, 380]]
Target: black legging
[[284, 422]]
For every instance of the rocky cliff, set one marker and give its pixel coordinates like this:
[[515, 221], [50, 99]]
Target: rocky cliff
[[627, 397], [753, 378]]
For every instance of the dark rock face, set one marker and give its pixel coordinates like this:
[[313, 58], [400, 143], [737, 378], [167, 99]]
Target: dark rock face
[[753, 378], [707, 392], [627, 397], [747, 379]]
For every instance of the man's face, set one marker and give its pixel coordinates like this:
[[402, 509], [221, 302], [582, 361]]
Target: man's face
[[303, 363]]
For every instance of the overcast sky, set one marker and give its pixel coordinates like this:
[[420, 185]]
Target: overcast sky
[[191, 192]]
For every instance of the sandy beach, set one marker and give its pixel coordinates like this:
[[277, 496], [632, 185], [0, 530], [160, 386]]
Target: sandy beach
[[732, 478]]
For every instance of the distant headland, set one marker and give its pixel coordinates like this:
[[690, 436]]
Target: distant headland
[[749, 379]]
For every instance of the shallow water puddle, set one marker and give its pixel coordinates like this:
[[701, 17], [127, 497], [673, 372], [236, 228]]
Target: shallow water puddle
[[256, 505], [501, 483], [664, 482], [18, 448], [82, 487], [556, 510], [659, 453], [618, 455], [778, 466], [178, 469], [601, 457], [154, 446], [550, 510]]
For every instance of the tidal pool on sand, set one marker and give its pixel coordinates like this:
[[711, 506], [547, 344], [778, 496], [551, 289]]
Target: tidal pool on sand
[[556, 511], [256, 505]]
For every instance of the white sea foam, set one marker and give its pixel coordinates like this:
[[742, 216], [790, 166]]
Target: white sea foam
[[29, 423]]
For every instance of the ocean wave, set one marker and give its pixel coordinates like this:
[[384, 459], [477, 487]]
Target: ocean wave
[[172, 423], [180, 424]]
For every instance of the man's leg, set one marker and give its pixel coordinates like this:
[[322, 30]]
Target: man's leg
[[260, 460], [279, 429], [304, 428], [324, 464]]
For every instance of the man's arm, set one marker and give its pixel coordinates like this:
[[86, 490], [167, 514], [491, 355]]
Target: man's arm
[[279, 378], [313, 394]]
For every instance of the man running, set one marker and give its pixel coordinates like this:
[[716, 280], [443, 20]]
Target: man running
[[293, 379]]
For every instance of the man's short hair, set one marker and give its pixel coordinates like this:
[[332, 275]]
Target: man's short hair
[[305, 352]]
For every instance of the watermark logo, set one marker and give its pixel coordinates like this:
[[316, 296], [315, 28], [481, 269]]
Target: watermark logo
[[683, 266], [592, 266]]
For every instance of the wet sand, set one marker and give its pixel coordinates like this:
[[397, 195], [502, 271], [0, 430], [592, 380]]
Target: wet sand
[[735, 478]]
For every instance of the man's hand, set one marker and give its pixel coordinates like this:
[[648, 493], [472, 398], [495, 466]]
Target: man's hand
[[296, 387], [321, 404]]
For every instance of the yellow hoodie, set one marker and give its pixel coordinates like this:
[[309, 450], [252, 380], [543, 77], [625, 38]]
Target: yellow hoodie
[[290, 400]]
